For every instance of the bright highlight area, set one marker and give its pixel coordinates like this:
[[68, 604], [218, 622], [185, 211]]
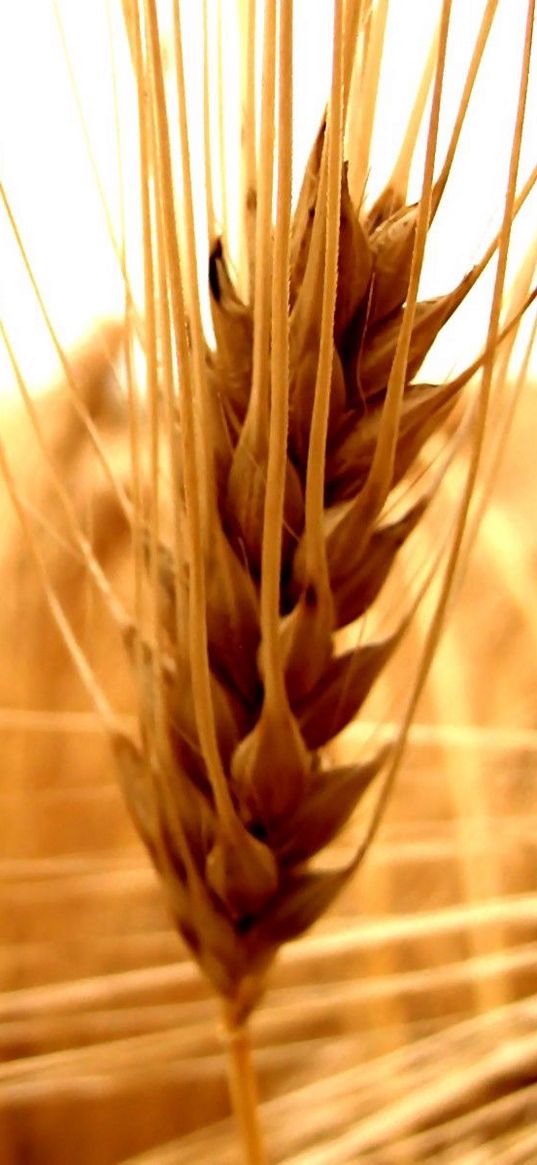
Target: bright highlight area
[[68, 143]]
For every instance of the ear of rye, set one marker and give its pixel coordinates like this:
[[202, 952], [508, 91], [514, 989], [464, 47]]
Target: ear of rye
[[265, 475]]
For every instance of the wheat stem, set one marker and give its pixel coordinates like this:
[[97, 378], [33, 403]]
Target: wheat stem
[[193, 319], [353, 19], [242, 1087], [135, 420], [364, 113], [247, 18], [315, 544], [221, 121], [152, 396], [258, 407], [208, 159], [276, 468]]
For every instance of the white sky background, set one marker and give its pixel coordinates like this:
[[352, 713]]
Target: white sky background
[[49, 180]]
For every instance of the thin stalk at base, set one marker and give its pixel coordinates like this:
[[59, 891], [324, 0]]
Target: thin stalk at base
[[243, 1088]]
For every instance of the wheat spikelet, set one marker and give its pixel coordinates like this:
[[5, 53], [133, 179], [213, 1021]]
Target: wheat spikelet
[[283, 447]]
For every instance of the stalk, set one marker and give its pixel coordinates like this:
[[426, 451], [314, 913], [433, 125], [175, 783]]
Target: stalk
[[243, 1087]]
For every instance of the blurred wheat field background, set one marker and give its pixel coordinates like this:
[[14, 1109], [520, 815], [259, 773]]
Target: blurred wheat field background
[[402, 1027]]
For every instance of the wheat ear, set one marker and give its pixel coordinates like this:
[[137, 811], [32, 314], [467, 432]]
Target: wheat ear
[[264, 481]]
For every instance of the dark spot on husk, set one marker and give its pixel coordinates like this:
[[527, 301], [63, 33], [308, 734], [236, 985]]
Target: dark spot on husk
[[258, 830], [214, 282], [179, 868], [174, 858], [310, 596], [244, 924], [189, 935], [153, 853]]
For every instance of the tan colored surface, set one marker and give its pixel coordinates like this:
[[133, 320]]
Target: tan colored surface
[[402, 1030]]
